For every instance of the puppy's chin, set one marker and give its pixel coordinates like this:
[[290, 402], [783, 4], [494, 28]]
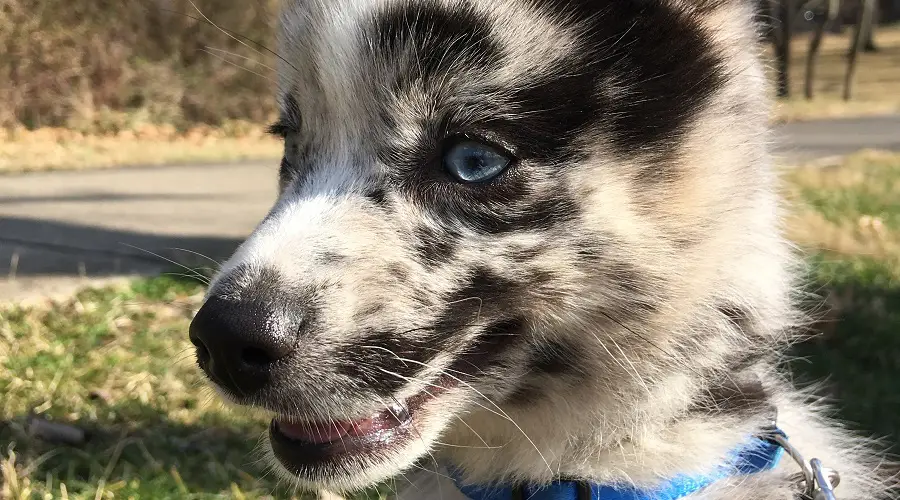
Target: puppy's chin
[[349, 455]]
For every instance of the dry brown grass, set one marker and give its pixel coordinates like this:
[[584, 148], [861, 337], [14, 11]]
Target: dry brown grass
[[66, 149], [848, 207], [877, 87], [91, 65]]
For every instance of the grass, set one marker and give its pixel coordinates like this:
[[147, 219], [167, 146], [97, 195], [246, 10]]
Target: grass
[[116, 361], [877, 83], [847, 217]]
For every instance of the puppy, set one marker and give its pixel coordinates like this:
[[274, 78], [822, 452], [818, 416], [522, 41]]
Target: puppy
[[525, 244]]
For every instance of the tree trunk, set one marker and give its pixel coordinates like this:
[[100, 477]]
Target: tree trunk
[[784, 19], [831, 8], [869, 45], [863, 25]]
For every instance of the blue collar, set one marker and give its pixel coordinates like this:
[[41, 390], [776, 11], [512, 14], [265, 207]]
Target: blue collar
[[759, 455]]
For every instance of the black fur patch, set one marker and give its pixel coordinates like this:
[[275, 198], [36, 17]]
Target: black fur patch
[[438, 42], [486, 296], [555, 358], [661, 55], [485, 299], [434, 40], [662, 66], [495, 293], [546, 212], [548, 359], [385, 361], [504, 207], [489, 347], [735, 394], [490, 298], [435, 247], [378, 196]]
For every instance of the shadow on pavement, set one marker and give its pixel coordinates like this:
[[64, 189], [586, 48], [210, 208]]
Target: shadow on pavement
[[47, 248]]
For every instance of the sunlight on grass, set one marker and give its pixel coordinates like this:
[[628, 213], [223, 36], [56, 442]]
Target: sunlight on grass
[[61, 149], [115, 363], [847, 216], [849, 207]]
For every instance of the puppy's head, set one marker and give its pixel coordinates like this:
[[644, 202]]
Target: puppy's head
[[485, 205]]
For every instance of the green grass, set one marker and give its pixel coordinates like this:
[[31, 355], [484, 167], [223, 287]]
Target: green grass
[[848, 219], [859, 351], [116, 362]]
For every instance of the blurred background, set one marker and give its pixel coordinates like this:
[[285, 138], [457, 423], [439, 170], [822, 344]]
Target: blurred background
[[133, 158]]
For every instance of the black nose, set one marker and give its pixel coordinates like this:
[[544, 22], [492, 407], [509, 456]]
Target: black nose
[[238, 342]]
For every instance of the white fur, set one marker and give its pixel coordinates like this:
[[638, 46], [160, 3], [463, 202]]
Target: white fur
[[628, 420]]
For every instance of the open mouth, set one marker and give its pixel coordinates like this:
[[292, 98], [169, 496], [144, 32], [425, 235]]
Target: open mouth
[[304, 447]]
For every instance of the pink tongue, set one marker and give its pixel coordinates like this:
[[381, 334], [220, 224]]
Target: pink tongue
[[317, 433], [326, 432]]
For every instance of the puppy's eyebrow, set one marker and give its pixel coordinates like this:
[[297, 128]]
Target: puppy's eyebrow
[[290, 120]]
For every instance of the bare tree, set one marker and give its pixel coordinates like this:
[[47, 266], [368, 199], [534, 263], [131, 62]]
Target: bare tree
[[828, 16], [863, 26], [782, 14]]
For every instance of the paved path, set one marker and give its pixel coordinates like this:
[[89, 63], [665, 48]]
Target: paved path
[[59, 229], [816, 139]]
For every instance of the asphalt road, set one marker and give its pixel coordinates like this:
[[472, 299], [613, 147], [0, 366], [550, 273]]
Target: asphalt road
[[816, 139], [59, 229]]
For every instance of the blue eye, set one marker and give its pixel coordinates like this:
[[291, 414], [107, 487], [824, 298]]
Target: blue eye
[[471, 161]]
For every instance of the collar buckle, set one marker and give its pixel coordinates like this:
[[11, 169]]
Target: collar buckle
[[815, 481]]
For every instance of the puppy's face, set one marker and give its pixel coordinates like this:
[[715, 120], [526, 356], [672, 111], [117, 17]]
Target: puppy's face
[[474, 197]]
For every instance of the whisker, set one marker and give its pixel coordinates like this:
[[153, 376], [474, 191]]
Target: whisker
[[501, 413], [198, 254], [645, 339], [238, 40], [232, 34], [248, 70], [188, 269], [469, 447], [183, 275], [239, 56]]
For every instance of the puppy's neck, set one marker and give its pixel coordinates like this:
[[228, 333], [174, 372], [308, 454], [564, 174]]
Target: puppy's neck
[[680, 427]]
